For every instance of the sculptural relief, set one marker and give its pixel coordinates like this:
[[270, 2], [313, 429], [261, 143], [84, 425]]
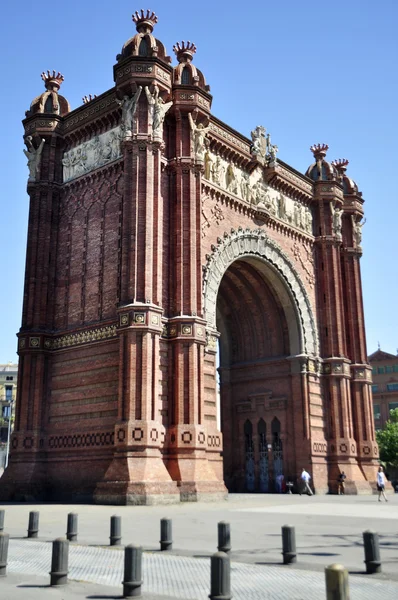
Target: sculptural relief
[[252, 188], [99, 151], [34, 157]]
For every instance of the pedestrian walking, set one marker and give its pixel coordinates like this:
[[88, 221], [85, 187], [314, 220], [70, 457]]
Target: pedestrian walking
[[381, 484], [279, 482], [305, 483], [341, 484]]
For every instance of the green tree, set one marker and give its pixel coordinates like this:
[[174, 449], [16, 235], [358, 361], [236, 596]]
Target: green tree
[[387, 439]]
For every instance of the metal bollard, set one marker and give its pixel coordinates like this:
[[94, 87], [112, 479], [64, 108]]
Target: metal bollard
[[71, 528], [132, 581], [2, 513], [224, 537], [372, 552], [220, 577], [166, 536], [59, 562], [116, 531], [33, 527], [4, 539], [289, 544], [336, 579]]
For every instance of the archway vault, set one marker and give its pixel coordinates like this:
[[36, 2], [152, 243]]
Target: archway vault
[[246, 244]]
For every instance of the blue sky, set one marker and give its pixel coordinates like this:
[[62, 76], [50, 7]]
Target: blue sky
[[309, 72]]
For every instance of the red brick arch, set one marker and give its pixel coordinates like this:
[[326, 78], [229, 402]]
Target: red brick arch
[[256, 244]]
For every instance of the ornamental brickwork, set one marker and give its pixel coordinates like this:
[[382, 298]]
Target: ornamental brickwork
[[158, 238]]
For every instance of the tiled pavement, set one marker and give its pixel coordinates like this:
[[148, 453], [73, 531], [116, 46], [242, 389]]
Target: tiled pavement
[[185, 577]]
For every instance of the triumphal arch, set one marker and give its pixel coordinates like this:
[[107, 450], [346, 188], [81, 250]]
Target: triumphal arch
[[192, 318]]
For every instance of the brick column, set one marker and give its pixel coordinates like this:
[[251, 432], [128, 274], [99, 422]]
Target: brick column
[[342, 445]]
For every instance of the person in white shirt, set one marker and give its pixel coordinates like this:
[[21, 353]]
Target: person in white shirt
[[381, 483], [305, 482]]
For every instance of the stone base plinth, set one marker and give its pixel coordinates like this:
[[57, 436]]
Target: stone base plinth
[[134, 494]]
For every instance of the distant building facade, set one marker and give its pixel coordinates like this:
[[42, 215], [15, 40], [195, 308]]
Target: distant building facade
[[8, 391], [385, 385]]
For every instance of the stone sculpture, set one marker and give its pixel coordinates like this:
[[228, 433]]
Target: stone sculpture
[[337, 214], [34, 156], [198, 133], [129, 108], [158, 110]]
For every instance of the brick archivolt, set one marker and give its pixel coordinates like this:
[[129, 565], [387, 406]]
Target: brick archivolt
[[248, 243]]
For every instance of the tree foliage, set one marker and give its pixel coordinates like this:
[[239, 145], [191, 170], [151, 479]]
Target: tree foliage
[[387, 439]]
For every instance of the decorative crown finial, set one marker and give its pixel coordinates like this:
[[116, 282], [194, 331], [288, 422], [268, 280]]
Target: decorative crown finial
[[341, 164], [87, 99], [52, 80], [184, 51], [319, 151], [145, 22]]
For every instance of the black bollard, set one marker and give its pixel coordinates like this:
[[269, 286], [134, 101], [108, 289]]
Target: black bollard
[[2, 513], [166, 536], [33, 527], [116, 531], [4, 539], [289, 544], [224, 537], [59, 562], [132, 581], [220, 577], [71, 528], [372, 552]]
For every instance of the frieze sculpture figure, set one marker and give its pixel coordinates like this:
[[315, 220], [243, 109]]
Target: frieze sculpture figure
[[230, 179], [34, 156], [198, 133], [308, 221], [337, 214], [208, 161], [129, 108], [215, 174], [158, 109], [245, 189], [281, 206], [357, 230]]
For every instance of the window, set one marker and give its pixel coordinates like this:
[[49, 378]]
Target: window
[[375, 388], [395, 368], [8, 393], [392, 405], [143, 49], [6, 411], [389, 369], [380, 370], [9, 378], [376, 411], [185, 76], [392, 387], [374, 371]]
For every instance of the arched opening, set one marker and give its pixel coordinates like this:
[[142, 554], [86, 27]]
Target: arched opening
[[259, 332]]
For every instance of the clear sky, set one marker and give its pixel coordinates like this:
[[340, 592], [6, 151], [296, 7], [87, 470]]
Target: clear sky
[[308, 71]]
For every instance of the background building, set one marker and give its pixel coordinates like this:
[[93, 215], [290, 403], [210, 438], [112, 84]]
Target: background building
[[8, 390], [385, 385]]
